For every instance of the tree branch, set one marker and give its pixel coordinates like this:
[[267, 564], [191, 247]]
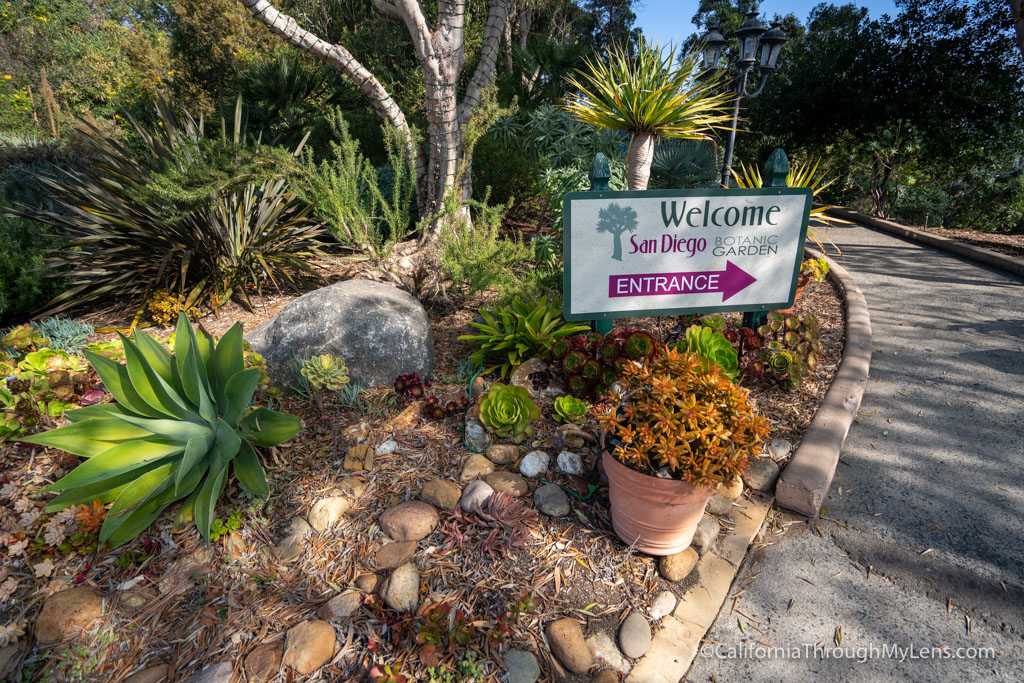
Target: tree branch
[[483, 75], [387, 9]]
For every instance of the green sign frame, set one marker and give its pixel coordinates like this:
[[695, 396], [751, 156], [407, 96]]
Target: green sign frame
[[679, 194]]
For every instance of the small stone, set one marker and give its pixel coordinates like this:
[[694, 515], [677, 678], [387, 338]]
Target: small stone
[[521, 667], [388, 446], [706, 534], [779, 448], [443, 494], [408, 418], [635, 635], [566, 640], [9, 656], [235, 546], [605, 653], [135, 599], [678, 566], [294, 544], [68, 613], [263, 663], [153, 674], [574, 437], [606, 676], [219, 672], [352, 487], [551, 500], [477, 388], [327, 511], [662, 604], [508, 483], [762, 474], [570, 463], [719, 505], [309, 645], [358, 458], [535, 464], [181, 575], [475, 467], [393, 555], [402, 590], [732, 490], [357, 433], [475, 494], [476, 435], [410, 521], [502, 453], [369, 583], [341, 606]]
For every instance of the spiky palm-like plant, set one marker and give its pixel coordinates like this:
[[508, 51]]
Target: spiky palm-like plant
[[648, 95]]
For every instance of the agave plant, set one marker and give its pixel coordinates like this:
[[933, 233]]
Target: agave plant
[[508, 411], [648, 95], [179, 421], [800, 175]]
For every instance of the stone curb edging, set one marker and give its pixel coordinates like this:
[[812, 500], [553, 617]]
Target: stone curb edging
[[1009, 264], [805, 480]]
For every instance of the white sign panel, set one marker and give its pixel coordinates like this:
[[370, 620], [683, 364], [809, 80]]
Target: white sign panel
[[682, 251]]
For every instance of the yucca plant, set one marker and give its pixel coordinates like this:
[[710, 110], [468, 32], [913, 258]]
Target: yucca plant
[[189, 215], [648, 96], [800, 175], [179, 421]]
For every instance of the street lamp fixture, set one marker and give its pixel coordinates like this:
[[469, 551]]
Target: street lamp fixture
[[752, 34]]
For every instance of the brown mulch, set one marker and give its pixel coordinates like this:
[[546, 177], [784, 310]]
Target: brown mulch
[[221, 608], [1004, 243]]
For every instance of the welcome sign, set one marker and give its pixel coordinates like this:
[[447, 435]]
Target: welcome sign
[[682, 251]]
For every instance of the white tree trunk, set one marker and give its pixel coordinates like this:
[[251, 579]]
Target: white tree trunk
[[638, 160], [1017, 10]]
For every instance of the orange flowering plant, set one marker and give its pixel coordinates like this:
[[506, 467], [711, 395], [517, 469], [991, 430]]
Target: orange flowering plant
[[687, 417]]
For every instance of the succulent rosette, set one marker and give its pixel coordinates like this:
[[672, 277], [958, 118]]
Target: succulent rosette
[[508, 411], [571, 409]]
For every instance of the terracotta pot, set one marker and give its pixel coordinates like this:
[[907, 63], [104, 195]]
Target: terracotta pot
[[801, 283], [658, 515]]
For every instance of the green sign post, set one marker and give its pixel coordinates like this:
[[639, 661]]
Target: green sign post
[[672, 252]]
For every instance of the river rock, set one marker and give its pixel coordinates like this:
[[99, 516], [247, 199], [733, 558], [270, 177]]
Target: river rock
[[475, 467], [567, 644], [535, 464], [732, 490], [443, 494], [635, 635], [409, 521], [327, 511], [475, 494], [369, 583], [508, 483], [521, 667], [380, 332], [662, 604], [220, 672], [551, 500], [678, 566], [152, 674], [502, 453], [605, 653], [402, 590], [352, 487], [388, 446], [719, 505], [309, 645], [293, 545], [762, 474], [706, 534], [263, 663], [779, 448], [10, 654], [606, 676], [477, 437], [68, 613], [341, 606], [570, 463], [393, 555]]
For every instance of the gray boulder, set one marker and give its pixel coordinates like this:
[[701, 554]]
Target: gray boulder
[[380, 332]]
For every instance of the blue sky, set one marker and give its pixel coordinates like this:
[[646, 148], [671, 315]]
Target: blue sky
[[664, 21]]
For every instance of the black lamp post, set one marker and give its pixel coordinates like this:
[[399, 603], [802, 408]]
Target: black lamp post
[[751, 34]]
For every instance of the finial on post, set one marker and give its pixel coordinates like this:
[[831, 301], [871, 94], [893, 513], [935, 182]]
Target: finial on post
[[776, 169], [600, 173]]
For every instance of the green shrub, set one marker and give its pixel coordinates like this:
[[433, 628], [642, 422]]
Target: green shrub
[[474, 255], [179, 421], [510, 335]]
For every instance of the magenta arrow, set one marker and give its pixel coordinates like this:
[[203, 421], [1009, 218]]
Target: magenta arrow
[[729, 281]]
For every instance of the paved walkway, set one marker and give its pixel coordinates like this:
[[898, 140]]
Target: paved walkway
[[927, 505]]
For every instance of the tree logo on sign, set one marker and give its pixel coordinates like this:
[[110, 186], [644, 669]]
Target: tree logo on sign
[[617, 220]]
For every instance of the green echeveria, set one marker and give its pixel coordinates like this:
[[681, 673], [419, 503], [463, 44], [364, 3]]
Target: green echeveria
[[508, 410], [180, 420], [713, 347], [325, 372], [571, 409]]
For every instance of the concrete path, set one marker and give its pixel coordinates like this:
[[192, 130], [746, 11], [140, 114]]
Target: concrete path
[[922, 540]]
